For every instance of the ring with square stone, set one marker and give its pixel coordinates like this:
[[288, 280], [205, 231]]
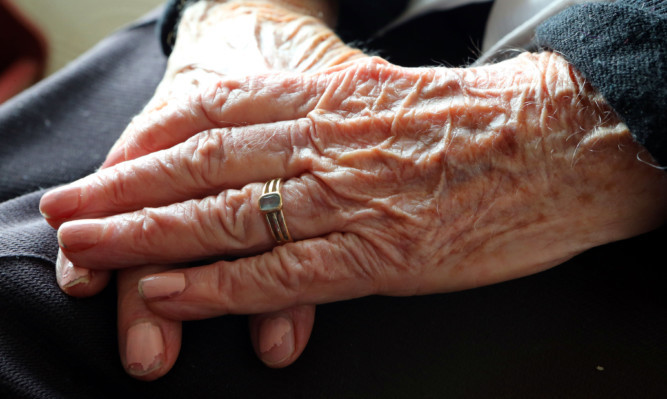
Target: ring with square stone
[[271, 205]]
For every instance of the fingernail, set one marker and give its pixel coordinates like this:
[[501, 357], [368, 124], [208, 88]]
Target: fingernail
[[69, 275], [276, 340], [144, 351], [162, 286], [80, 235], [60, 203]]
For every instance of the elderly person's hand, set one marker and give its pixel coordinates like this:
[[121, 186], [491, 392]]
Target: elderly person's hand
[[215, 40], [397, 181]]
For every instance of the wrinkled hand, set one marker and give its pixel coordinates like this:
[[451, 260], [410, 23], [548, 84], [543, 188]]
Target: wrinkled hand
[[398, 181], [215, 40]]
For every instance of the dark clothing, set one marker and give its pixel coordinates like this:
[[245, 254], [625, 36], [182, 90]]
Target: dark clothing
[[621, 48], [593, 327]]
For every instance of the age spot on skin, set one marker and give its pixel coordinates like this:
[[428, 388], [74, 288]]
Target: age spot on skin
[[505, 142], [585, 198]]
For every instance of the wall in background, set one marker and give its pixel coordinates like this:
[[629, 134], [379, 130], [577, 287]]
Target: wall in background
[[73, 26]]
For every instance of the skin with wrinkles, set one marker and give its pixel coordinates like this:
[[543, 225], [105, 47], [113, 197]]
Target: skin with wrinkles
[[189, 67], [255, 37], [410, 180], [398, 181]]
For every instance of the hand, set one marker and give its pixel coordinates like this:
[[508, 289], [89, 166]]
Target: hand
[[398, 181], [209, 37]]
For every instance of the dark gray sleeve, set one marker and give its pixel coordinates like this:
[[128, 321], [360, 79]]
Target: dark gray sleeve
[[621, 48]]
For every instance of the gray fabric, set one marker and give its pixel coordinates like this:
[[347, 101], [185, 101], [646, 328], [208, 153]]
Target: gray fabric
[[23, 231], [51, 345], [72, 119], [621, 48], [61, 129]]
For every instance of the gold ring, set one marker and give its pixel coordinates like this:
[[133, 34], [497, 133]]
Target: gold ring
[[271, 205]]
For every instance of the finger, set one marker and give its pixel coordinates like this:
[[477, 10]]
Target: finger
[[202, 166], [314, 271], [78, 281], [148, 343], [229, 224], [335, 87], [253, 100], [280, 337]]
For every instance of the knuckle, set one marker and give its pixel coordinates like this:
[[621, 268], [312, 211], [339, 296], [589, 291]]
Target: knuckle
[[168, 167], [376, 62], [227, 287], [229, 219], [115, 187], [372, 68], [202, 158], [299, 151], [145, 135], [356, 90], [292, 272], [202, 226], [328, 261], [315, 195], [210, 103], [147, 231], [251, 288], [309, 138]]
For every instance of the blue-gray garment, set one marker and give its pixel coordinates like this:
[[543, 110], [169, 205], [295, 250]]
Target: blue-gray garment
[[621, 48]]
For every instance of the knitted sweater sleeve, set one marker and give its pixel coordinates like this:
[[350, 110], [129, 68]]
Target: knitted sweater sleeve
[[621, 48]]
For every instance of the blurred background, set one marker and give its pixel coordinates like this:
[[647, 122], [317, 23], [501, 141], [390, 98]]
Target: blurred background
[[38, 37]]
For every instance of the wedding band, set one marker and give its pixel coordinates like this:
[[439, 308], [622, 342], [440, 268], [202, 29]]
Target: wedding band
[[271, 205]]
